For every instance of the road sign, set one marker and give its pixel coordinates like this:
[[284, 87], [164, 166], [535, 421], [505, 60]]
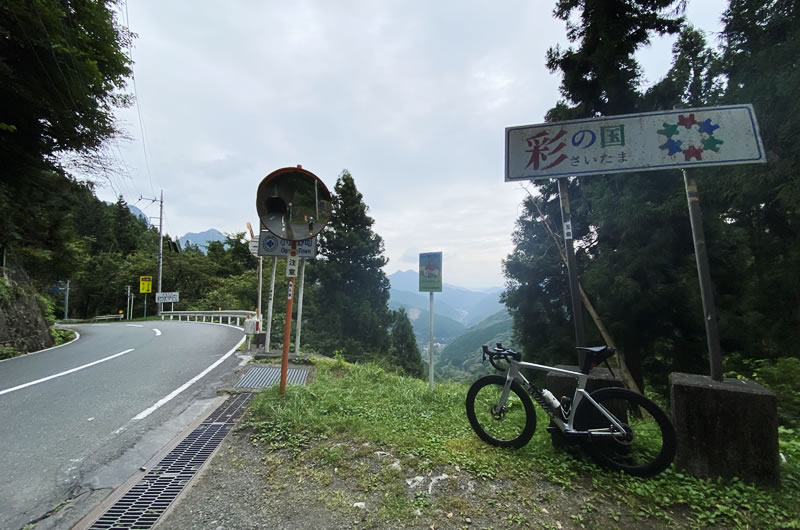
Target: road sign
[[253, 246], [430, 272], [272, 245], [163, 298], [292, 264], [145, 284], [680, 138]]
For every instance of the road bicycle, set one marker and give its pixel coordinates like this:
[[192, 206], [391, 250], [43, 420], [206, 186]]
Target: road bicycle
[[619, 428]]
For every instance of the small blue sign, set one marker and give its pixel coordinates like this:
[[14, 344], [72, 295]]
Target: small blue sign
[[272, 245]]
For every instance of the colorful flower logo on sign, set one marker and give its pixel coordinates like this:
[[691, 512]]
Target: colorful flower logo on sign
[[690, 137]]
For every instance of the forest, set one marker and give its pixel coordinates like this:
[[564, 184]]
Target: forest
[[63, 72], [633, 241]]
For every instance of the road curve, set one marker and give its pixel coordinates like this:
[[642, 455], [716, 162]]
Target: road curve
[[80, 419]]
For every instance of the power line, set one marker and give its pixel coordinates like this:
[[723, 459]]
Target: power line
[[137, 102]]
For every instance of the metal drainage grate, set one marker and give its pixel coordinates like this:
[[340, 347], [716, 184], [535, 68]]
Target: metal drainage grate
[[231, 410], [145, 502], [262, 377]]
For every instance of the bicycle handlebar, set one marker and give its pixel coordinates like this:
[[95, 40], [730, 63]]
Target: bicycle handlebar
[[500, 353]]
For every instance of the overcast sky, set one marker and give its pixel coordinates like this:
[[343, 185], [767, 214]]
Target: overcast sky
[[411, 97]]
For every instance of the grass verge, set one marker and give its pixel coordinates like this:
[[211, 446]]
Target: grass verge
[[366, 404]]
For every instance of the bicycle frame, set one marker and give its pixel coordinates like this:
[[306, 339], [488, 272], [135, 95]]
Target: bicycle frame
[[579, 395]]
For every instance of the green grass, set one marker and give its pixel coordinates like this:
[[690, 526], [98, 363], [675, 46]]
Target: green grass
[[364, 403]]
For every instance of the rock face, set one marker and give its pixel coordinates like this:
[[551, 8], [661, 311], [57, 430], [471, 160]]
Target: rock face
[[23, 326]]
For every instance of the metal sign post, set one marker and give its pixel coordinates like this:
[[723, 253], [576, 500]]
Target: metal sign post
[[270, 299], [430, 280], [287, 325], [703, 271], [577, 307], [300, 307]]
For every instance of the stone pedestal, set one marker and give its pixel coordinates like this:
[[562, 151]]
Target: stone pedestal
[[725, 429]]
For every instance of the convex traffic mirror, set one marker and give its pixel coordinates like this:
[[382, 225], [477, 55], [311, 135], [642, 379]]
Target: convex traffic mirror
[[293, 203]]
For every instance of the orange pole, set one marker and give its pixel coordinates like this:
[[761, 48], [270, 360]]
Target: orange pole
[[287, 329]]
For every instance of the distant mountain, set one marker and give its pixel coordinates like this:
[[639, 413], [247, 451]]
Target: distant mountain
[[444, 329], [137, 212], [458, 303], [202, 239]]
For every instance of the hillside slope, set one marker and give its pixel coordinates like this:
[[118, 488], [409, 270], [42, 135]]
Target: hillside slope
[[462, 357]]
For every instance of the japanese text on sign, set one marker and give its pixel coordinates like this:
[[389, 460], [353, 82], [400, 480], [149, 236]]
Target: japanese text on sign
[[292, 263], [271, 245], [634, 142], [145, 284]]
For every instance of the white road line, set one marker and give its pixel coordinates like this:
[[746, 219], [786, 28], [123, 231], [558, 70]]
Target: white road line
[[134, 325], [158, 331], [163, 401], [48, 378]]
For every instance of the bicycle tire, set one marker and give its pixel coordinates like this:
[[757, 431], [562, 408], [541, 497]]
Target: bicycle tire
[[649, 444], [511, 427]]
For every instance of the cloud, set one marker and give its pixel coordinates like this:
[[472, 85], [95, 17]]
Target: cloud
[[412, 97]]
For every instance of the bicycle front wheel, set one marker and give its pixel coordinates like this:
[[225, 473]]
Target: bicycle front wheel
[[645, 447], [508, 425]]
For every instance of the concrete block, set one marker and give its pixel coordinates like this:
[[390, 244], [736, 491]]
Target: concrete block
[[725, 429]]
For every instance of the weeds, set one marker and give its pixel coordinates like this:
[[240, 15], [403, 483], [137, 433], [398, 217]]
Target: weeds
[[364, 403]]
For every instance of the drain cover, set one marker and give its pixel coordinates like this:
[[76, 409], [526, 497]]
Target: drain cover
[[145, 502], [265, 376]]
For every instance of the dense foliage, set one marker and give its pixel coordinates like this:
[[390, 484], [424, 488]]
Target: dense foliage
[[633, 241], [351, 309]]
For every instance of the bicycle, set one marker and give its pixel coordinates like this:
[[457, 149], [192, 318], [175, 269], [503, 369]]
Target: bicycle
[[619, 428]]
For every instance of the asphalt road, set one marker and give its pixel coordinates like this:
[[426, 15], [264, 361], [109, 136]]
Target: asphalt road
[[78, 420]]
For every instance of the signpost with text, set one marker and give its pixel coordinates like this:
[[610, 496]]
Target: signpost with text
[[430, 281], [679, 139]]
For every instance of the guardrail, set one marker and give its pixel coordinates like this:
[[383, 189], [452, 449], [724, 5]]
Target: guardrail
[[106, 317], [210, 316]]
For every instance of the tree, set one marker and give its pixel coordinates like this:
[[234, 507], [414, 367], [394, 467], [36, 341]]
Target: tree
[[599, 77], [350, 310], [761, 43], [404, 351], [62, 70]]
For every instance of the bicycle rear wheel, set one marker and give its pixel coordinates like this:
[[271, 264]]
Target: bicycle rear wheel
[[645, 448], [511, 425]]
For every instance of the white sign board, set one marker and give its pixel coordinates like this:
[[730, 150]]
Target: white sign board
[[163, 298], [272, 245], [292, 263], [680, 138], [252, 245]]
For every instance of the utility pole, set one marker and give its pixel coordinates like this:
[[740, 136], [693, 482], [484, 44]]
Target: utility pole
[[160, 244], [160, 241], [66, 302]]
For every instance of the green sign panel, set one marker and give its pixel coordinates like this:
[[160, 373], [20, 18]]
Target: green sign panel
[[430, 272]]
